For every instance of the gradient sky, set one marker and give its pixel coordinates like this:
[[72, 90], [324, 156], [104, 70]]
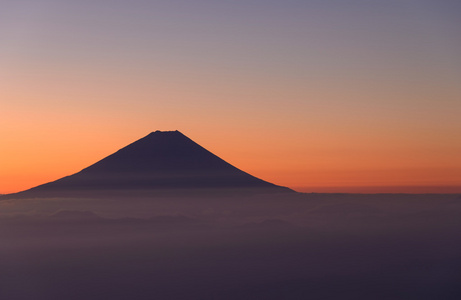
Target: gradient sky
[[356, 95]]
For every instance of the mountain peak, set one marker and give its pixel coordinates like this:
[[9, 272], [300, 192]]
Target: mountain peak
[[165, 132]]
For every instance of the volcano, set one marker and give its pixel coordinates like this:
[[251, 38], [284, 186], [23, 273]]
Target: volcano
[[161, 163]]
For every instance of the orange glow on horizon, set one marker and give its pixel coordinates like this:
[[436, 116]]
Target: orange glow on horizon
[[309, 169], [307, 94]]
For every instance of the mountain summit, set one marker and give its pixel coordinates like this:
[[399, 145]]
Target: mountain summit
[[161, 162]]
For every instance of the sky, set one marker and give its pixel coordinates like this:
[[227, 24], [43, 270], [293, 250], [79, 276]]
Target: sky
[[319, 96]]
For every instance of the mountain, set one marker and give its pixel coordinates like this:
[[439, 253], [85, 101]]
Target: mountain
[[161, 163]]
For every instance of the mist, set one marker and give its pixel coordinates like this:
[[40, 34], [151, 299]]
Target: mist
[[320, 246]]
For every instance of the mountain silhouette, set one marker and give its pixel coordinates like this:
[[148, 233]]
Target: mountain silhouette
[[161, 162]]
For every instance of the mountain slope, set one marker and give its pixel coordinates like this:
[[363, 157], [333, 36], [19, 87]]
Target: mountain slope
[[159, 162]]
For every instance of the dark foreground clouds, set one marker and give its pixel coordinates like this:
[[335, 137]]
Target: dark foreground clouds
[[305, 247]]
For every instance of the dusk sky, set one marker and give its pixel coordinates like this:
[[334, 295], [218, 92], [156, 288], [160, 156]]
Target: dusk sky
[[319, 96]]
